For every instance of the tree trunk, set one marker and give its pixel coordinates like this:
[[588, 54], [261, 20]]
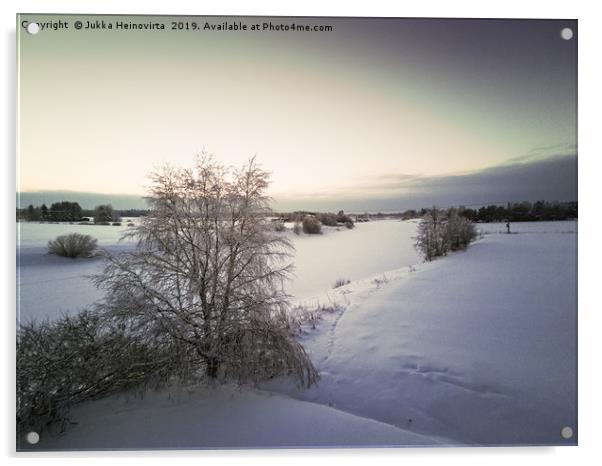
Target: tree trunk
[[212, 368]]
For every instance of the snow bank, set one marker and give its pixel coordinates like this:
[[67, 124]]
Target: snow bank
[[218, 418]]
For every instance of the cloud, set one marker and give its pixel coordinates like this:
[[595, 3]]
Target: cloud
[[543, 152], [550, 178]]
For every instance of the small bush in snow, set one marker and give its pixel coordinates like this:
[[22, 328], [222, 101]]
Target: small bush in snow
[[328, 219], [341, 282], [311, 225], [73, 245], [279, 226], [105, 213], [380, 281], [346, 219], [116, 224], [440, 232], [303, 317], [297, 228]]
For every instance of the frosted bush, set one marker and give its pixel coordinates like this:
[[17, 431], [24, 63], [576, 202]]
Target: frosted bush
[[341, 282], [440, 232], [83, 357], [73, 245], [311, 225]]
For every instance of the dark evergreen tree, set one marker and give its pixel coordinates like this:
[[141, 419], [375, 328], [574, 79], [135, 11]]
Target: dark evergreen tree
[[65, 211]]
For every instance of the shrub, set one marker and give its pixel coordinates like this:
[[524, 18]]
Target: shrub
[[459, 231], [73, 245], [346, 219], [311, 225], [380, 281], [341, 282], [440, 232], [297, 228], [116, 224], [82, 357], [303, 317], [328, 219], [279, 226], [105, 213]]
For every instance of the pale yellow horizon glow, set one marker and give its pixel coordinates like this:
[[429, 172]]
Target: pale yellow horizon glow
[[99, 115]]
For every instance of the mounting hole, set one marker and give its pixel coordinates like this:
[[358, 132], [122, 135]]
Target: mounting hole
[[33, 28], [566, 33], [566, 432], [32, 438]]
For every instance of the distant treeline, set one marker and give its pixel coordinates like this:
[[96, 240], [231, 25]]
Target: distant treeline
[[63, 211], [66, 211], [132, 212], [513, 212], [525, 211], [522, 212]]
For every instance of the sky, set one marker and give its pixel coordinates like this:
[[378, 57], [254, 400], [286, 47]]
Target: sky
[[375, 114]]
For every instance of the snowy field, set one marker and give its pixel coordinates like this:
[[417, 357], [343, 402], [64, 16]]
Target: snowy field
[[51, 285], [477, 348]]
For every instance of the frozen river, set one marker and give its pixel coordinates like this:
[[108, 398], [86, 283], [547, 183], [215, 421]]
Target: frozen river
[[50, 285]]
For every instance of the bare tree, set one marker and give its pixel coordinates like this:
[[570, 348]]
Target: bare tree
[[208, 272]]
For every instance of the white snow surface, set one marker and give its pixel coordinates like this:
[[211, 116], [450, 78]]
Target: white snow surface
[[51, 285], [476, 348], [224, 417], [479, 347], [366, 250]]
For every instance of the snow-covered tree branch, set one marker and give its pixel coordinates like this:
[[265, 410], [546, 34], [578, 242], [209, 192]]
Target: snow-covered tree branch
[[209, 271]]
